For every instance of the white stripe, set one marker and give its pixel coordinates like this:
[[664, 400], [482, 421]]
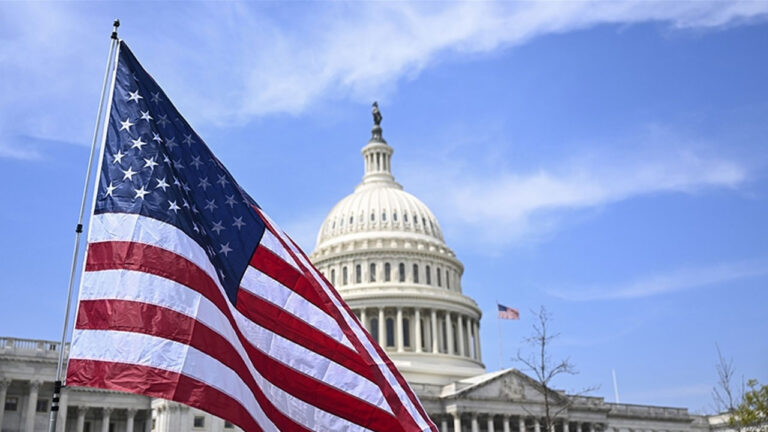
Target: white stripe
[[261, 285], [158, 291], [271, 242], [359, 332], [145, 350]]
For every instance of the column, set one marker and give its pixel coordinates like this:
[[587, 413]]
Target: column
[[536, 425], [456, 422], [507, 428], [399, 329], [433, 333], [363, 318], [478, 355], [460, 328], [566, 425], [449, 333], [4, 383], [130, 417], [105, 414], [61, 419], [520, 424], [29, 420], [490, 422], [417, 321], [443, 424], [81, 411], [382, 331], [475, 425]]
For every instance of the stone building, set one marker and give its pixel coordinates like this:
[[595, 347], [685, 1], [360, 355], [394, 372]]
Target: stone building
[[384, 251]]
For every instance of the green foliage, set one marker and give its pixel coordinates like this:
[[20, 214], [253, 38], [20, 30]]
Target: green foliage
[[752, 412]]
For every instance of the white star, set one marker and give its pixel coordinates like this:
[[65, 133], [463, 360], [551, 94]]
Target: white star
[[231, 201], [186, 187], [173, 206], [177, 164], [225, 249], [163, 120], [171, 143], [221, 273], [150, 163], [211, 205], [118, 157], [196, 162], [184, 203], [176, 182], [110, 188], [156, 97], [137, 143], [140, 192], [218, 227], [188, 139], [239, 222], [146, 116], [134, 96], [126, 125], [194, 227], [128, 174], [222, 180], [156, 137], [162, 184], [204, 183]]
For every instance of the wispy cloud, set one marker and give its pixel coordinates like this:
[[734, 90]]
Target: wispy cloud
[[677, 280]]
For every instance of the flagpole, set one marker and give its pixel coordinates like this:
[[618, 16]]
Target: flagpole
[[79, 230], [498, 324]]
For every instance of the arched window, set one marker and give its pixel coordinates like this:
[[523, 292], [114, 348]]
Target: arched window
[[373, 216], [358, 274], [447, 279], [428, 271], [333, 276], [344, 276], [439, 277], [372, 273], [383, 216], [406, 332], [351, 219], [390, 332], [394, 216], [387, 272], [405, 217], [375, 328], [415, 273], [401, 271]]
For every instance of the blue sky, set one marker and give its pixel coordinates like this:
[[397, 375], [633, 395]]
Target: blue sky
[[607, 160]]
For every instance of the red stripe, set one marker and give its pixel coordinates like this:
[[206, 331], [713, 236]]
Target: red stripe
[[168, 324], [409, 423], [275, 267], [158, 383]]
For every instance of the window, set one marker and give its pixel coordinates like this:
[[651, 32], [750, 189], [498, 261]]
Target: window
[[42, 405], [415, 273], [11, 403], [87, 427], [333, 276], [406, 332], [390, 332], [394, 216], [372, 273], [373, 217], [358, 274], [344, 278], [198, 422], [401, 271], [228, 425], [351, 220], [405, 217], [415, 220], [341, 222], [439, 277], [428, 271], [423, 336], [387, 272], [375, 329], [111, 427], [383, 216], [447, 279]]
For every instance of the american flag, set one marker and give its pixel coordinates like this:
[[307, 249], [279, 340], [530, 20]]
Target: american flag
[[192, 293], [506, 312]]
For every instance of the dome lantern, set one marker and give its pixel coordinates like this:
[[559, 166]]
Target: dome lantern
[[377, 155]]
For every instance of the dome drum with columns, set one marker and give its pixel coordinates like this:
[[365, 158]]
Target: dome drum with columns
[[383, 249]]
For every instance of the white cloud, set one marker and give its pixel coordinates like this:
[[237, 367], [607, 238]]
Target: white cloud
[[677, 280]]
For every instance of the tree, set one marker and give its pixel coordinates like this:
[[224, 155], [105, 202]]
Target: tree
[[723, 392], [752, 412], [545, 370]]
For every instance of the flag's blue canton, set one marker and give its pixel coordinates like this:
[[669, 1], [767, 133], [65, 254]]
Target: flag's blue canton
[[156, 165]]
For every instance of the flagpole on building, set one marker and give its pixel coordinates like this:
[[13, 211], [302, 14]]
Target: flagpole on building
[[79, 230], [498, 324]]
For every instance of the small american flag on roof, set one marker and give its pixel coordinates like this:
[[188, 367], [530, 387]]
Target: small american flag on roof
[[506, 312]]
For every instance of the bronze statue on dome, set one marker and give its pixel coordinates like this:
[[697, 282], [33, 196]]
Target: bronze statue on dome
[[376, 114]]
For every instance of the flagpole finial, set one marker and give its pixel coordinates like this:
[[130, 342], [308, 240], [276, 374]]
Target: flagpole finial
[[115, 25]]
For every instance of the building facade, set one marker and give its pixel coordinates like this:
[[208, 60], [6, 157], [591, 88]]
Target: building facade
[[384, 251]]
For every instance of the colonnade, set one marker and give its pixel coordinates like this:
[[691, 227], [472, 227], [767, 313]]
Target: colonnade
[[428, 330], [478, 422]]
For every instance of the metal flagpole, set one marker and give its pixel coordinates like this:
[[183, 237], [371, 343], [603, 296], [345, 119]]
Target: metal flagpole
[[498, 323], [79, 230]]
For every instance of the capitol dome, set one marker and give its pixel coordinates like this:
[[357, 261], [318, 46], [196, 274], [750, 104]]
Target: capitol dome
[[383, 249]]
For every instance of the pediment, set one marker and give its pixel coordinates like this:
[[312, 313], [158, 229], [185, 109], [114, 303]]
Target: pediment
[[509, 385]]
